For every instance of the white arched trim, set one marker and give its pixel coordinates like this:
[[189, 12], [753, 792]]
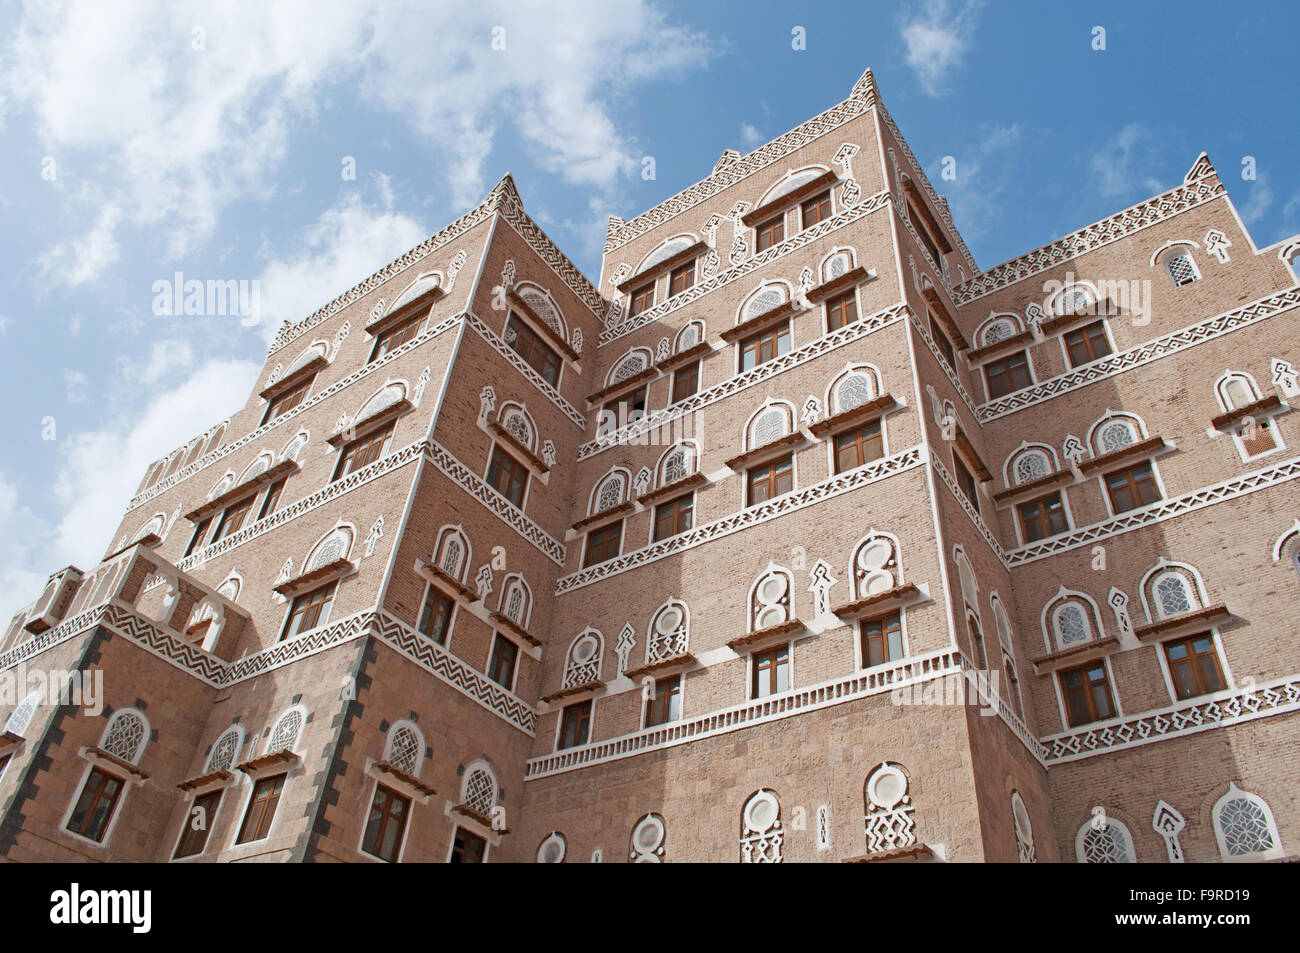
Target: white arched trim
[[1175, 243], [1199, 595]]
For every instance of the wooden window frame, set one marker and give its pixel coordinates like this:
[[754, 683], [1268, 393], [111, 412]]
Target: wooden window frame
[[1012, 372], [278, 405], [838, 309], [302, 603], [379, 439], [194, 842], [1086, 342], [438, 598], [888, 626], [97, 818], [1091, 713], [534, 350], [509, 650], [641, 299], [755, 343], [515, 471], [402, 332], [242, 508], [815, 204], [263, 803], [690, 373], [674, 510], [770, 472], [683, 275], [665, 705], [461, 853], [1132, 485], [1039, 524], [861, 439], [574, 719], [769, 665], [599, 541], [376, 829], [1194, 664], [769, 232]]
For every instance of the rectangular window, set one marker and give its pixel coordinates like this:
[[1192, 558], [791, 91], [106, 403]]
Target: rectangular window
[[919, 220], [575, 724], [941, 341], [965, 480], [200, 534], [501, 666], [666, 705], [364, 451], [508, 477], [1042, 517], [1087, 343], [882, 640], [1132, 487], [603, 544], [435, 616], [261, 809], [467, 848], [1087, 694], [386, 824], [528, 344], [816, 209], [95, 807], [771, 479], [855, 447], [681, 278], [762, 348], [271, 500], [1194, 666], [309, 610], [841, 310], [642, 300], [674, 517], [626, 410], [232, 520], [198, 822], [686, 381], [395, 337], [1008, 374], [771, 672], [770, 233], [1257, 436], [287, 401]]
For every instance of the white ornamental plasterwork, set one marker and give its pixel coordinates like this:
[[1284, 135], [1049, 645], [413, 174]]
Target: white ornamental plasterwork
[[508, 275], [923, 330], [620, 233], [812, 410], [765, 371], [548, 453], [1034, 318], [890, 819], [420, 385], [1118, 602], [483, 581], [316, 399], [1153, 350], [779, 506], [512, 212], [1111, 229], [710, 262], [620, 274], [960, 496], [275, 374], [1073, 450], [850, 193], [623, 648], [487, 403], [576, 339], [457, 263], [643, 480], [286, 573], [663, 350], [377, 311], [340, 336], [1285, 377], [1217, 245], [739, 243], [523, 367], [821, 580], [1169, 824], [617, 329], [376, 533]]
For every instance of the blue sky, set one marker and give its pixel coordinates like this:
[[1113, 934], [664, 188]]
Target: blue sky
[[138, 139]]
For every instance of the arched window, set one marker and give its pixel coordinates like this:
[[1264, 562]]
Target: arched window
[[516, 600], [648, 836], [966, 578], [225, 750], [284, 736], [453, 551], [691, 334], [295, 446], [766, 298], [1171, 589], [771, 599], [174, 464], [629, 365], [257, 467], [517, 422], [315, 350], [391, 393], [419, 287], [22, 715], [791, 181], [1024, 830], [677, 463], [1069, 619], [1104, 840], [404, 748], [540, 300], [837, 263], [335, 546], [582, 664], [193, 452], [609, 492], [670, 632], [552, 849], [1029, 463], [853, 388], [1078, 298], [1244, 827], [889, 817], [772, 422], [997, 328], [215, 440], [875, 565], [761, 835], [1179, 265], [478, 790], [1236, 390], [153, 527], [1115, 431], [665, 250], [126, 735]]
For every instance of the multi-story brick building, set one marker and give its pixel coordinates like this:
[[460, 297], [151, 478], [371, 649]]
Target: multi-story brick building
[[799, 537]]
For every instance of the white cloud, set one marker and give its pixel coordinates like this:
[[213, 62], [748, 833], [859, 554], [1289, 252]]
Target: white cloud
[[1118, 168], [937, 36], [177, 134], [21, 533], [75, 385], [749, 135], [1259, 199], [980, 173]]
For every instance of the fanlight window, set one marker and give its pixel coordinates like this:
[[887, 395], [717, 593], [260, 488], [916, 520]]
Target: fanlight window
[[257, 467], [690, 335], [225, 750], [610, 492], [770, 424], [761, 835], [628, 366], [1104, 840], [1076, 299], [1236, 391], [515, 601], [285, 734], [332, 548], [1114, 434], [666, 251], [404, 748], [387, 397], [478, 792], [1181, 269], [836, 265], [420, 286], [22, 715], [1245, 827], [126, 736], [875, 566], [517, 423], [317, 349], [966, 576], [679, 463], [771, 602], [997, 330], [544, 307], [1173, 594], [552, 849], [1030, 465], [648, 838], [854, 389], [792, 181], [1071, 624], [215, 440], [583, 663], [669, 634], [764, 300], [294, 447], [153, 526], [453, 552]]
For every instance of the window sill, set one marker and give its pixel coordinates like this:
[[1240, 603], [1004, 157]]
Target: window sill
[[524, 309], [795, 440], [623, 386], [1023, 491], [114, 764], [880, 602], [603, 517], [855, 415], [1018, 341], [267, 764], [1260, 408], [400, 781], [761, 322], [784, 203], [575, 693], [920, 853], [450, 585], [368, 425], [503, 621], [669, 666], [205, 783], [532, 460], [674, 361], [330, 572], [240, 490], [1135, 451], [659, 268], [290, 381], [844, 283], [409, 310], [767, 638], [1080, 654], [1185, 623], [10, 742], [670, 490]]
